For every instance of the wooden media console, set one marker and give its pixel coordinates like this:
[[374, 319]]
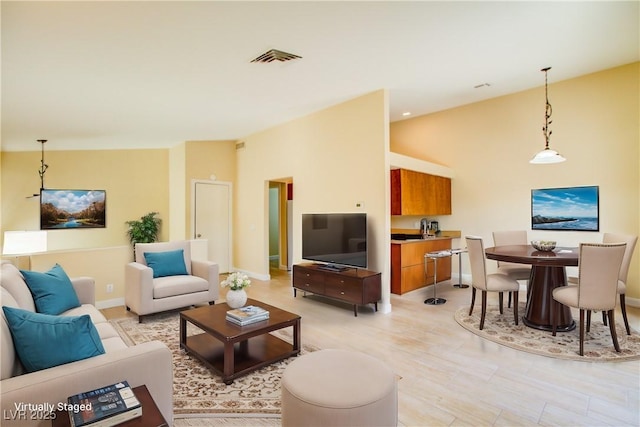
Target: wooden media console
[[354, 285]]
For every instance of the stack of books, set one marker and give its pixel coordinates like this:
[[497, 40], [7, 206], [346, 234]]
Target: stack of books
[[247, 315], [106, 406]]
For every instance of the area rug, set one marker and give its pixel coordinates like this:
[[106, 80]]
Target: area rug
[[598, 346], [198, 391]]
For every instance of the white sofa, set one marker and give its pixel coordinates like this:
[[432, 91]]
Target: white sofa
[[146, 294], [147, 364]]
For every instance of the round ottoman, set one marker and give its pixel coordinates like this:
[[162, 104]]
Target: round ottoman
[[339, 388]]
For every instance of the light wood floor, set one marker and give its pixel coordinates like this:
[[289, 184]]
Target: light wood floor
[[451, 377]]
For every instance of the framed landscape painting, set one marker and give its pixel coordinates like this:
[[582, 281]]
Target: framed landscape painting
[[570, 208], [72, 209]]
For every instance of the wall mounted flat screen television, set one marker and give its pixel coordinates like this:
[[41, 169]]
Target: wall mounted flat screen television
[[569, 208], [336, 240], [72, 209]]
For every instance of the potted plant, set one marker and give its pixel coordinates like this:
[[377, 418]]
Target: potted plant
[[144, 230]]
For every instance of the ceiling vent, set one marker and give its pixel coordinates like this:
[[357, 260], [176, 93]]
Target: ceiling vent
[[275, 55]]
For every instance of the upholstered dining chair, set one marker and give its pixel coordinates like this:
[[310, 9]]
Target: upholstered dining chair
[[599, 267], [622, 276], [496, 282], [511, 269]]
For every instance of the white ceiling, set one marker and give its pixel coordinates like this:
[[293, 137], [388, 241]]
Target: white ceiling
[[112, 75]]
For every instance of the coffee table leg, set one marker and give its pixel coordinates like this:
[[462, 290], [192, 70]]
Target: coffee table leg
[[228, 363], [183, 332], [296, 336], [244, 348]]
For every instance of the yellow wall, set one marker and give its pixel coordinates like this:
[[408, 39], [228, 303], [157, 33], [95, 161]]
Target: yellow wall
[[136, 182], [203, 159], [489, 144], [337, 157], [104, 265], [177, 195]]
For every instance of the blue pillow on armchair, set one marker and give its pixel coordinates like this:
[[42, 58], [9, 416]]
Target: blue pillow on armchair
[[169, 263], [43, 341], [52, 290]]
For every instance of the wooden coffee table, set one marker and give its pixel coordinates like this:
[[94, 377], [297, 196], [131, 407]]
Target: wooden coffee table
[[232, 350]]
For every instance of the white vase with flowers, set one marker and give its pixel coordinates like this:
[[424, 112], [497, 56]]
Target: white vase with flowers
[[236, 295]]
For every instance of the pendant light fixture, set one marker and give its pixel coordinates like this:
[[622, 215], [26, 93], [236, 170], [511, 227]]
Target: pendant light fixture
[[43, 165], [547, 155], [42, 170]]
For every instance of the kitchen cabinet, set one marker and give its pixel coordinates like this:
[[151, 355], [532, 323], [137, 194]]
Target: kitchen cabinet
[[417, 193], [407, 264]]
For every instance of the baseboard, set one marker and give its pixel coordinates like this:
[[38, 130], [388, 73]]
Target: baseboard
[[633, 302], [108, 303], [384, 307], [254, 275]]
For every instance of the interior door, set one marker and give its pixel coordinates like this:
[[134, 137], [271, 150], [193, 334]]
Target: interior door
[[212, 220]]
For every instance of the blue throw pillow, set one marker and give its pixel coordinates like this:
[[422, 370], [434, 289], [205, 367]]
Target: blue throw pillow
[[52, 291], [170, 263], [43, 341]]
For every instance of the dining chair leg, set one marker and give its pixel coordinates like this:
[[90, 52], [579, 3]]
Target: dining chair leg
[[515, 307], [509, 301], [473, 300], [623, 308], [612, 328], [604, 318], [589, 320], [501, 299], [581, 332], [484, 309]]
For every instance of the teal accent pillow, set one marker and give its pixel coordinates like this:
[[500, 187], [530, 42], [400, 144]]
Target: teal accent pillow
[[169, 263], [52, 291], [43, 341]]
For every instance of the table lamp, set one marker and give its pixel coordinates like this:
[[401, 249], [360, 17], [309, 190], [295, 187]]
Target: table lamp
[[20, 243]]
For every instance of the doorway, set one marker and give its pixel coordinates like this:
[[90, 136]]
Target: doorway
[[212, 220], [280, 212]]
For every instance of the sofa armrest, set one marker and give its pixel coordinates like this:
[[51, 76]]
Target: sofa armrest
[[138, 288], [148, 363], [85, 288], [209, 271]]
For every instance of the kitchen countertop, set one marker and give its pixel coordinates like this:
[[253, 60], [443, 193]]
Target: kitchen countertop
[[443, 235], [402, 242]]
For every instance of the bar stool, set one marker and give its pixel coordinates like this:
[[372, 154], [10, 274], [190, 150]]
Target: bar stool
[[459, 252], [434, 256]]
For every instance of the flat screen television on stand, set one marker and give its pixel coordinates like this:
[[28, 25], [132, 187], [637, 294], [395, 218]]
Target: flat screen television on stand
[[338, 241]]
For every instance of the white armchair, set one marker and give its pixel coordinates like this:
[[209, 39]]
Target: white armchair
[[164, 277]]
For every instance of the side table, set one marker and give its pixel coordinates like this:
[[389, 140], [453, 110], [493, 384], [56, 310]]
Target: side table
[[151, 416]]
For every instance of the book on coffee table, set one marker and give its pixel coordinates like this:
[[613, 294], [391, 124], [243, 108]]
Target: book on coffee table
[[247, 321], [248, 312], [247, 315], [106, 406]]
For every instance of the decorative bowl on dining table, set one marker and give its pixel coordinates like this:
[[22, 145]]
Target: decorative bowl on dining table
[[544, 245]]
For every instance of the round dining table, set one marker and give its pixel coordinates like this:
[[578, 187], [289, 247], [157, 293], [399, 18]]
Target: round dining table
[[547, 273]]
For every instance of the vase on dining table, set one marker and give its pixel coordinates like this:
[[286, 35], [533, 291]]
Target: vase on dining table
[[236, 298]]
